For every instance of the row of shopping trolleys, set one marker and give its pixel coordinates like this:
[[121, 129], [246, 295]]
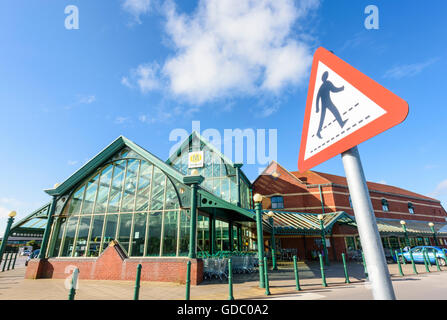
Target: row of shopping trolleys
[[218, 267]]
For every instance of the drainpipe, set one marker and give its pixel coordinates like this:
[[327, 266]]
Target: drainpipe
[[321, 198], [212, 235], [230, 235], [238, 166], [193, 181]]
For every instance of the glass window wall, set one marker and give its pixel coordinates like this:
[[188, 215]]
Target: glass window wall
[[129, 200]]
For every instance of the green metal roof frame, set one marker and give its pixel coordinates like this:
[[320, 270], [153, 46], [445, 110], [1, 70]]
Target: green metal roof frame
[[98, 160], [216, 202], [299, 223], [34, 221], [414, 227], [188, 140]]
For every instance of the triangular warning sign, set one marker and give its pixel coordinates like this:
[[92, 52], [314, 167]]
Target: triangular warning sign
[[344, 108]]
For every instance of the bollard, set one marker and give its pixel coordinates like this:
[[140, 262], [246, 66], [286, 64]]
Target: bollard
[[297, 276], [428, 258], [425, 261], [266, 277], [188, 280], [6, 260], [74, 282], [402, 253], [436, 260], [275, 267], [412, 262], [398, 263], [15, 258], [230, 280], [346, 269], [364, 267], [445, 257], [323, 277], [10, 260], [136, 294]]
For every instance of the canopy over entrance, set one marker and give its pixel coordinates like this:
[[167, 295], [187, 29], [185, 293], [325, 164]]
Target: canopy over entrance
[[32, 225], [298, 223], [392, 227]]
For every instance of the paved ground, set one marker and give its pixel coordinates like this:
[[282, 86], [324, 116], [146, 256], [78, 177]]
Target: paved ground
[[431, 285]]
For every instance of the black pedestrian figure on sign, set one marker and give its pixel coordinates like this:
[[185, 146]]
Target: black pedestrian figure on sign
[[324, 94]]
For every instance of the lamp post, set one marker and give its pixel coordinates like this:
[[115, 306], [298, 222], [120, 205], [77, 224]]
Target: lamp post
[[11, 215], [432, 227], [257, 198], [404, 226], [270, 215], [323, 239]]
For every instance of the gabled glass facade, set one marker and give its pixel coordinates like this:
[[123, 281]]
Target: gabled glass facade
[[221, 178], [127, 199]]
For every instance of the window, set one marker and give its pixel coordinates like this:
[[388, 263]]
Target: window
[[277, 202], [385, 206], [220, 176], [350, 201], [129, 200], [350, 243], [410, 208]]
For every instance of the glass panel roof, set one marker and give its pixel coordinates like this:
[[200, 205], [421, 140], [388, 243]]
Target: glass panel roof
[[34, 222]]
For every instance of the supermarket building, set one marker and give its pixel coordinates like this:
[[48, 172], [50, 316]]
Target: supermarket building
[[127, 207]]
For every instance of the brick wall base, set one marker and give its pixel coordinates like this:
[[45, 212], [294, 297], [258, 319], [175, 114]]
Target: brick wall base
[[111, 266]]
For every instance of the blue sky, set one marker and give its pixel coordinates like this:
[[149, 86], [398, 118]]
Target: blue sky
[[136, 68]]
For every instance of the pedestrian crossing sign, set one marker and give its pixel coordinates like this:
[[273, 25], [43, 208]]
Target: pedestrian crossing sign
[[344, 108]]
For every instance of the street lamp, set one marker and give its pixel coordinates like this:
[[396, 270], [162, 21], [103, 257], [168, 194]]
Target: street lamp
[[270, 214], [11, 215], [404, 226], [323, 239], [257, 198], [432, 227]]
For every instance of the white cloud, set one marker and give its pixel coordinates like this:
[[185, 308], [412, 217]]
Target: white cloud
[[440, 192], [126, 82], [4, 212], [121, 120], [72, 162], [145, 77], [408, 70], [230, 48], [81, 99], [236, 46], [87, 99], [136, 7], [441, 189], [159, 115]]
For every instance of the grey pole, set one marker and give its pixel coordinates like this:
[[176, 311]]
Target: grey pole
[[379, 276]]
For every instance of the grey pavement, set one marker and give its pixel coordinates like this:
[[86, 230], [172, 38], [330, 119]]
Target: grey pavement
[[431, 285]]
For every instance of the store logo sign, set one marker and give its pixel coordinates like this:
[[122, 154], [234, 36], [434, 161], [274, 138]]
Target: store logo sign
[[195, 159]]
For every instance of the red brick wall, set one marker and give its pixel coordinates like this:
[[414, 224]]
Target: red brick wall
[[308, 199], [110, 266]]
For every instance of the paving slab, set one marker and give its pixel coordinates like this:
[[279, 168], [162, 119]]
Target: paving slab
[[13, 286]]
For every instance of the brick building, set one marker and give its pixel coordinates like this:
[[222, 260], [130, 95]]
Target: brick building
[[317, 193]]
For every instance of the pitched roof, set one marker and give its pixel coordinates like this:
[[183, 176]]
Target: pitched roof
[[372, 186], [284, 182], [211, 147], [103, 156]]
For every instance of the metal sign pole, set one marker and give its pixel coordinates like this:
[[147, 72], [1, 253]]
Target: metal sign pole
[[379, 276]]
